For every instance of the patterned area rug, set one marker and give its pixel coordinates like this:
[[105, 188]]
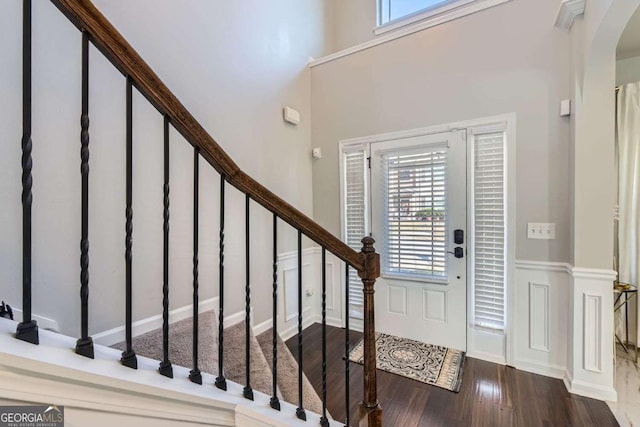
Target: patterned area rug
[[430, 364]]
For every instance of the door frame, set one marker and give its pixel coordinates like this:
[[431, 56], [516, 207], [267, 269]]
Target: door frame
[[481, 343]]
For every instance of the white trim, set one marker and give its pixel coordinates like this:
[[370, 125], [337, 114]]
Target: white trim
[[545, 288], [117, 334], [286, 333], [511, 230], [561, 267], [487, 357], [419, 15], [548, 370], [591, 390], [497, 120], [467, 9], [38, 374], [263, 327], [43, 322], [503, 122], [593, 273], [569, 10]]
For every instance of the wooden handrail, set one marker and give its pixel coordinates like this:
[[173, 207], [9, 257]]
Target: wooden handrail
[[113, 45]]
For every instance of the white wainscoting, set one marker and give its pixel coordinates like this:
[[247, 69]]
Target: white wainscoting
[[590, 370], [311, 292], [540, 333]]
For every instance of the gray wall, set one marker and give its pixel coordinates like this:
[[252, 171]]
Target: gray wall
[[506, 59], [627, 70], [234, 65]]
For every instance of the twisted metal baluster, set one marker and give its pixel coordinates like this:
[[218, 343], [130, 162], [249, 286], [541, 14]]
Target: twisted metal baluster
[[300, 413], [195, 375], [346, 349], [221, 382], [84, 345], [275, 402], [324, 421], [27, 330], [247, 392], [165, 365], [129, 356]]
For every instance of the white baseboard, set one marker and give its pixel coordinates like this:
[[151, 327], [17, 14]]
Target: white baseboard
[[116, 335], [547, 370], [235, 318], [589, 389], [43, 322], [263, 327], [293, 330], [487, 357]]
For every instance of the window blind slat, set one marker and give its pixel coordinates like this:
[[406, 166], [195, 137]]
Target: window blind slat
[[355, 220], [415, 220], [489, 224]]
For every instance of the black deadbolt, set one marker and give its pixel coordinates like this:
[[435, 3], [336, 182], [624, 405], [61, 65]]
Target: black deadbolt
[[458, 237]]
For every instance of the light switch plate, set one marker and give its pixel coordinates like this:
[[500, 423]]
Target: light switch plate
[[541, 230]]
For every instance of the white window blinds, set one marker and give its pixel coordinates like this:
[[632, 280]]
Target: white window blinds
[[489, 234], [415, 217], [355, 211]]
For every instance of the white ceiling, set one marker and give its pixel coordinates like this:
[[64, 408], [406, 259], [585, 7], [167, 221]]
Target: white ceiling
[[629, 44]]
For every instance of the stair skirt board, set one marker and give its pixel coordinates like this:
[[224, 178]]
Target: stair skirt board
[[181, 354]]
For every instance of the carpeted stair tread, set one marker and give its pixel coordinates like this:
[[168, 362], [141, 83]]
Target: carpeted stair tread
[[181, 343], [234, 360], [288, 374], [181, 350]]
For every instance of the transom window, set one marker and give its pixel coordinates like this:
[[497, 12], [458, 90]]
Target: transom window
[[395, 14], [396, 9]]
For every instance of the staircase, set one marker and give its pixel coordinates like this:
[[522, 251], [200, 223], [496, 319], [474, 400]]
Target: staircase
[[140, 79]]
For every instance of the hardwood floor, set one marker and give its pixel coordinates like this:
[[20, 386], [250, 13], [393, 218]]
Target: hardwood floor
[[491, 395]]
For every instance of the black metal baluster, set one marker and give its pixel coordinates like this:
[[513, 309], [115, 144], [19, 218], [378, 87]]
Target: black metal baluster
[[195, 375], [275, 402], [165, 365], [84, 345], [129, 356], [221, 382], [346, 348], [247, 392], [324, 421], [27, 330], [300, 410]]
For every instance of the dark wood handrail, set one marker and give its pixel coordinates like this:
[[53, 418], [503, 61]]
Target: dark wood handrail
[[113, 45]]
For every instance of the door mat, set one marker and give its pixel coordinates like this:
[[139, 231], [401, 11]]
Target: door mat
[[430, 364]]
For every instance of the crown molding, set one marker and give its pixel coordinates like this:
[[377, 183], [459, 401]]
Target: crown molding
[[569, 9]]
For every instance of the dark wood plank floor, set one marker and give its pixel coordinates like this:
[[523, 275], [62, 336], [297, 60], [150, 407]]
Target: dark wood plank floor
[[491, 395]]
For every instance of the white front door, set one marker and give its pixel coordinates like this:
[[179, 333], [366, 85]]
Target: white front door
[[418, 219]]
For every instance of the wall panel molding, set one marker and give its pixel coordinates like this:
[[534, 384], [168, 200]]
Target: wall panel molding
[[592, 332], [539, 316]]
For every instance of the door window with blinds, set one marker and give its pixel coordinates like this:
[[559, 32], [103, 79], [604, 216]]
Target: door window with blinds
[[489, 217], [414, 218], [356, 217]]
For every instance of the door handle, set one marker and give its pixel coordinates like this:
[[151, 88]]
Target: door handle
[[458, 252]]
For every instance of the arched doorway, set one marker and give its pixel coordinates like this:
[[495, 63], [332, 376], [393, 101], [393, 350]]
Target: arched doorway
[[590, 364]]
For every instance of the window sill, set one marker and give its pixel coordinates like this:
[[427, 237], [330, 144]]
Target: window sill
[[403, 27], [423, 16]]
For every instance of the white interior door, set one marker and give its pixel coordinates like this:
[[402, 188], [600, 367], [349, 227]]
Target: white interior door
[[418, 201]]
